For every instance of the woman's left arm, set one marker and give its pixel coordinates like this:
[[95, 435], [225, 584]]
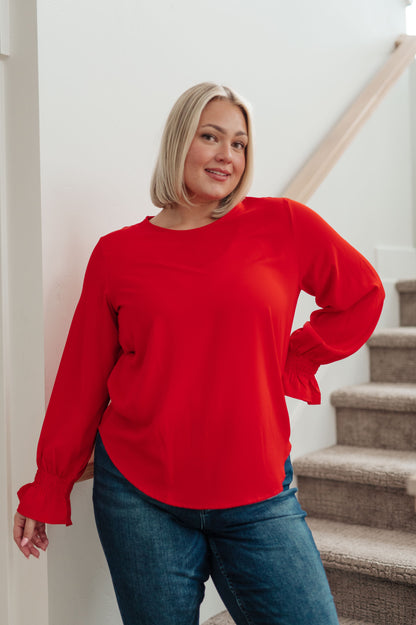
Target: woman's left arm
[[347, 290]]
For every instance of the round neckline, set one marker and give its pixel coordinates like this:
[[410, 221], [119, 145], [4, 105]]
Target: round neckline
[[155, 227]]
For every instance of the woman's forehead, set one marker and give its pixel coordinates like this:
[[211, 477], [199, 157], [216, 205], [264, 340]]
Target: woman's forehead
[[224, 115]]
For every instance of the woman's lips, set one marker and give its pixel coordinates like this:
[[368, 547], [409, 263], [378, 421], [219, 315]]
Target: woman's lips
[[218, 174]]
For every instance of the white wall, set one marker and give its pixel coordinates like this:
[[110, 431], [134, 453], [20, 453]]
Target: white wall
[[109, 73], [23, 584], [411, 30]]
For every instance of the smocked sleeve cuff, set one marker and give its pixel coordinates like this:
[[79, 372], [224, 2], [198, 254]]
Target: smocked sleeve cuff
[[46, 499], [299, 379]]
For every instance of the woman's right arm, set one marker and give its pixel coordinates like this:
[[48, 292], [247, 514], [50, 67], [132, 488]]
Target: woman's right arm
[[78, 401]]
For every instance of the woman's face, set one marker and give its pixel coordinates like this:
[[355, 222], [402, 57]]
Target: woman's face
[[216, 158]]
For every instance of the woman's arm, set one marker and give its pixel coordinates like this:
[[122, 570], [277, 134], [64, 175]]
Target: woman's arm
[[79, 398], [348, 292]]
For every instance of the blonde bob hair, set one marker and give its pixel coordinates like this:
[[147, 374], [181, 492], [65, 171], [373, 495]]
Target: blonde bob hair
[[167, 185]]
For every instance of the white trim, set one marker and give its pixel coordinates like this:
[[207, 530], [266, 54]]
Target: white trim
[[24, 584], [412, 95], [4, 28], [5, 510]]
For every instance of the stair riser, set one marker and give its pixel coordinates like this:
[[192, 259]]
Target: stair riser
[[392, 364], [361, 504], [370, 599], [374, 428], [408, 309]]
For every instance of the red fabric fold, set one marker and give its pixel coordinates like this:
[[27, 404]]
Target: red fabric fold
[[299, 379], [48, 493]]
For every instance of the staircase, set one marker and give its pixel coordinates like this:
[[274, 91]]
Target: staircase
[[360, 493]]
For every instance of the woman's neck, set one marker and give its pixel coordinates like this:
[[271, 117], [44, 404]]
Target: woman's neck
[[180, 217]]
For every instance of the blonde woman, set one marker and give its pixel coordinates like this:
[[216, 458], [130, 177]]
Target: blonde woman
[[176, 367]]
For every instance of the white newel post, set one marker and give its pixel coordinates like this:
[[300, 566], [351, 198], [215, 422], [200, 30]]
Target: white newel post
[[23, 584]]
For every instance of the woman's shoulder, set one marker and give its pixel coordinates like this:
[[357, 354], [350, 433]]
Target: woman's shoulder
[[280, 207], [113, 247], [252, 202], [270, 208], [271, 204], [121, 237]]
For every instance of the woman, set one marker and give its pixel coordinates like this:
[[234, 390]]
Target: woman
[[180, 355]]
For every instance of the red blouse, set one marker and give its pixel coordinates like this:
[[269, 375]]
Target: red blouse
[[180, 352]]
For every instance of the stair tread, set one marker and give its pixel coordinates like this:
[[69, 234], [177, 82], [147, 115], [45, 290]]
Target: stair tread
[[389, 554], [399, 397], [352, 621], [364, 465], [404, 338], [406, 286], [223, 618]]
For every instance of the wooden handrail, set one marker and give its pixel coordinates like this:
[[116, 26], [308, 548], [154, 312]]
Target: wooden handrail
[[320, 163]]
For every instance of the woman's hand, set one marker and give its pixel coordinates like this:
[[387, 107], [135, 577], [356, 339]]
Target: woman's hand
[[29, 534]]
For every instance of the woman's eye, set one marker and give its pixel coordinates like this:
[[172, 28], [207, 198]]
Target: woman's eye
[[208, 136], [239, 145]]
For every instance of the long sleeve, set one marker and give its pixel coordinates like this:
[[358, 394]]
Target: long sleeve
[[348, 292], [79, 398]]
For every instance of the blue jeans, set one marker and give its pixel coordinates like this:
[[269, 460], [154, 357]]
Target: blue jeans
[[261, 557]]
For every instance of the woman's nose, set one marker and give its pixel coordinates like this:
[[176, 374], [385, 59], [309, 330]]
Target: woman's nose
[[224, 153]]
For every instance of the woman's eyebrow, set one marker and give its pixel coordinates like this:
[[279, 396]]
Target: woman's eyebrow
[[223, 131]]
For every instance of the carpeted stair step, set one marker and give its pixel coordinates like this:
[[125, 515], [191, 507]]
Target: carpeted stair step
[[223, 618], [407, 295], [376, 415], [393, 355], [352, 621], [358, 485], [372, 572]]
